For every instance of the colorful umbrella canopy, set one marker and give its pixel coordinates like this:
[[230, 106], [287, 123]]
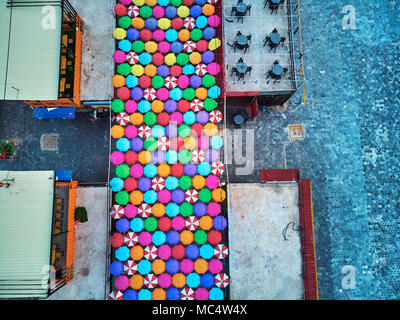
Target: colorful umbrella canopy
[[221, 280], [117, 211], [130, 239], [189, 23], [191, 196], [116, 295], [192, 223], [217, 168], [130, 267], [122, 118], [187, 294], [150, 281], [158, 183], [144, 132], [116, 240], [144, 210], [150, 252], [201, 69], [163, 144], [221, 251], [133, 11]]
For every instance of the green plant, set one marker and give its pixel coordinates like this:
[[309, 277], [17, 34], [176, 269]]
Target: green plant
[[81, 214]]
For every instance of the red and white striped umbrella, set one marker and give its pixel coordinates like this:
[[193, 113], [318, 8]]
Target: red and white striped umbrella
[[150, 94], [144, 132], [123, 118], [158, 183], [221, 280], [196, 105], [144, 210], [189, 23], [192, 223], [187, 294], [189, 46], [212, 1], [163, 143], [191, 196], [217, 168], [150, 281], [198, 156], [201, 69], [170, 82], [150, 252], [116, 295], [133, 11], [132, 58], [221, 251], [130, 267], [130, 239], [216, 116], [117, 211]]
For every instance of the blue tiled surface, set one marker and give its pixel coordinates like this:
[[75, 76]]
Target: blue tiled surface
[[351, 150]]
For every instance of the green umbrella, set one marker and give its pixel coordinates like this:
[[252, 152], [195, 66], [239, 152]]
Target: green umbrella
[[138, 46], [205, 195], [151, 224], [124, 69], [189, 94], [176, 3], [184, 130], [150, 144], [196, 34], [150, 118], [186, 209], [184, 156], [123, 171], [185, 182], [122, 198], [146, 12], [182, 59], [117, 106], [209, 104], [125, 22], [157, 82], [208, 80], [200, 237]]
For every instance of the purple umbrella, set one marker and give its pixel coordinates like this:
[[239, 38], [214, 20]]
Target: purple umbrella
[[163, 71], [208, 57], [144, 184], [212, 155], [170, 106], [199, 209], [178, 196], [122, 225], [171, 130], [195, 81], [158, 157], [202, 117], [190, 169], [137, 144], [209, 33], [137, 93]]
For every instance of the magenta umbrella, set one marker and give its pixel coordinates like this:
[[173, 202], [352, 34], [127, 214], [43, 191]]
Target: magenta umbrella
[[117, 157]]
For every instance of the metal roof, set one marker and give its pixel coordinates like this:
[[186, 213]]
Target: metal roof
[[26, 209], [30, 50]]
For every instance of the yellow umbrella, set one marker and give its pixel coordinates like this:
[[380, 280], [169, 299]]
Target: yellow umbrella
[[190, 143], [119, 34], [195, 58], [137, 70], [150, 46], [164, 23], [138, 2], [214, 44], [183, 11], [118, 81], [170, 59], [151, 3]]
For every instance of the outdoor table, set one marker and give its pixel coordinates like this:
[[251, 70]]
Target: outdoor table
[[242, 40], [238, 119], [277, 70], [241, 7], [275, 37], [241, 67]]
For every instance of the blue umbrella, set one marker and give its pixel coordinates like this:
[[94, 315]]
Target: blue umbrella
[[175, 94], [116, 184], [171, 183], [173, 294], [151, 23], [123, 253], [163, 71], [130, 295], [209, 33], [208, 57], [137, 93], [188, 69], [144, 267], [159, 238], [171, 35], [201, 22], [189, 117], [172, 265], [206, 251], [207, 280], [123, 144], [214, 92], [122, 225], [173, 237], [116, 268], [145, 58], [196, 11], [171, 156], [150, 197], [158, 131], [176, 47], [144, 106], [132, 34], [216, 294], [193, 280], [125, 45], [136, 224], [131, 81], [144, 294], [170, 11], [150, 170]]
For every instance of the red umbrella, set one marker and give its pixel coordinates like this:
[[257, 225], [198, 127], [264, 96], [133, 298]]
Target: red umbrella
[[130, 239], [163, 143], [122, 118], [150, 281], [130, 157], [158, 183], [132, 58], [217, 168], [221, 280], [187, 294], [133, 11], [144, 132], [221, 251], [145, 81], [170, 82], [158, 59], [117, 211], [192, 223], [191, 196], [150, 252], [150, 94], [120, 10], [130, 267], [144, 210], [196, 105], [189, 23], [130, 184], [201, 69], [216, 116], [198, 156], [116, 240]]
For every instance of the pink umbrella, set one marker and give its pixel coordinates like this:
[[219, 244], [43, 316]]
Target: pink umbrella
[[217, 168], [214, 68], [131, 132], [130, 239], [198, 156], [119, 56], [221, 251], [201, 69], [132, 58], [164, 196], [189, 23], [122, 283], [187, 294], [221, 280], [192, 223], [130, 267], [158, 183], [117, 211], [163, 94], [214, 20], [144, 210], [133, 11], [122, 118], [183, 81], [196, 105], [170, 82], [150, 281], [130, 211], [164, 47], [150, 252], [116, 295], [212, 182], [189, 46], [117, 158], [163, 143], [131, 106], [216, 116], [191, 196], [144, 132], [150, 94]]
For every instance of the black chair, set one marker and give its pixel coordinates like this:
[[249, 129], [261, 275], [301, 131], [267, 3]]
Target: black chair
[[246, 47], [248, 71], [235, 71], [249, 38]]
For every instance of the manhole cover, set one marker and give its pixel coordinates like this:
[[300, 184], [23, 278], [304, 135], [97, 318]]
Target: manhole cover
[[49, 142], [296, 131]]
